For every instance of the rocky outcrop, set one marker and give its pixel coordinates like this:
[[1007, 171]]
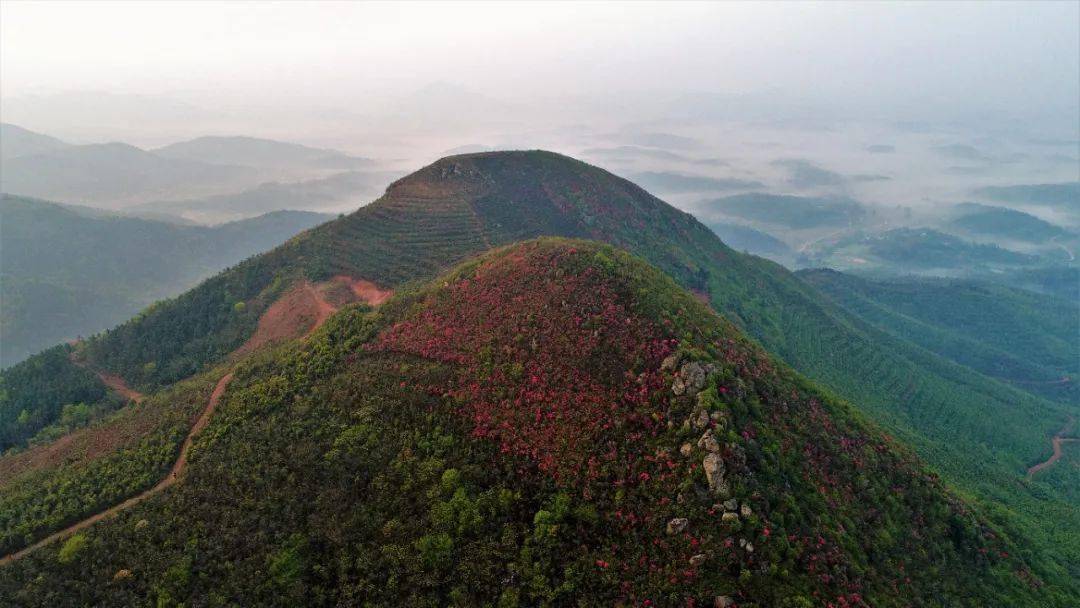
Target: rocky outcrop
[[714, 474], [691, 378], [708, 443], [677, 525]]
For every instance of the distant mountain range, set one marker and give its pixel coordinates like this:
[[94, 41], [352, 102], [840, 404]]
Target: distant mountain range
[[16, 141], [669, 182], [1050, 268], [264, 153], [784, 211], [906, 250], [1005, 223], [347, 190], [117, 175], [71, 272], [1066, 194]]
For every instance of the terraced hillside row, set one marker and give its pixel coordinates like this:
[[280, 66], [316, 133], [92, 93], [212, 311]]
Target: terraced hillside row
[[1023, 338]]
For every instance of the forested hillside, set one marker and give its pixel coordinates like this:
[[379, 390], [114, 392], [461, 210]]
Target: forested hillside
[[555, 423], [980, 433], [67, 273], [1025, 339]]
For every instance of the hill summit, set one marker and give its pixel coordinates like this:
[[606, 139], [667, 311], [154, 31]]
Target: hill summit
[[555, 422]]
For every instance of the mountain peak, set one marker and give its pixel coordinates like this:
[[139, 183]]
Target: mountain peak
[[471, 174]]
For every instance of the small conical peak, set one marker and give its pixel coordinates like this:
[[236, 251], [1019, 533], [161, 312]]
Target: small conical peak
[[471, 174]]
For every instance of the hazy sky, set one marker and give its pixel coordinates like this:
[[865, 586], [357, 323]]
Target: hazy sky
[[986, 55], [965, 93]]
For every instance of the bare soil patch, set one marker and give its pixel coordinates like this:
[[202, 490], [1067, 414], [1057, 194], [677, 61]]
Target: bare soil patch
[[306, 306], [1056, 442]]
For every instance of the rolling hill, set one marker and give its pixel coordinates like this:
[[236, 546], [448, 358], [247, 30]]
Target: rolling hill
[[117, 175], [554, 423], [351, 188], [16, 141], [915, 251], [1059, 202], [1065, 195], [744, 238], [669, 182], [255, 152], [981, 434], [70, 272], [1001, 222], [792, 212]]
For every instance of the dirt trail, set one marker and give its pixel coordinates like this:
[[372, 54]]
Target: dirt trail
[[304, 307], [323, 309], [1058, 439], [169, 479], [116, 383], [284, 319]]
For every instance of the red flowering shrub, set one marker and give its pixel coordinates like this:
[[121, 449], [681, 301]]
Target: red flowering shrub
[[553, 366], [566, 356]]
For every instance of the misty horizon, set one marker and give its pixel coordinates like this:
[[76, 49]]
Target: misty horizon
[[894, 104]]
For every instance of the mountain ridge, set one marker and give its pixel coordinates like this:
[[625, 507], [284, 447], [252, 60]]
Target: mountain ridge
[[257, 152]]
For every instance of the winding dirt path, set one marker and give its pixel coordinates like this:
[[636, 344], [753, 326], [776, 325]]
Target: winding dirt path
[[169, 479], [291, 313], [304, 307], [113, 381], [1058, 439], [117, 384]]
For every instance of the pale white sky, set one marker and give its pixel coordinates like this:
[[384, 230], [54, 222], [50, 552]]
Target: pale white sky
[[989, 54], [752, 81]]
